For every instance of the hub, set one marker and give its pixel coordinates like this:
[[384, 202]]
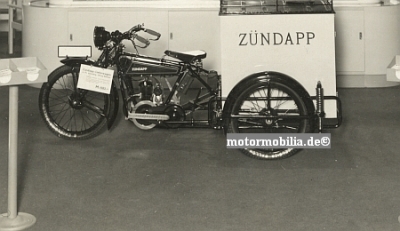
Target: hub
[[269, 112], [75, 102]]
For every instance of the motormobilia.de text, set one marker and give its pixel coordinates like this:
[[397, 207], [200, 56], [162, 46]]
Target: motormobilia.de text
[[255, 38]]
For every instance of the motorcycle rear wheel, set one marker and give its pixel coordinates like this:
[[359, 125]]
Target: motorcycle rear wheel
[[68, 112], [270, 98]]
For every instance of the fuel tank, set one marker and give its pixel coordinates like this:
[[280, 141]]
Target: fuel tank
[[141, 65]]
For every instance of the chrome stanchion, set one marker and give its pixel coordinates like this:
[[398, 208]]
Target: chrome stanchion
[[14, 72], [14, 220]]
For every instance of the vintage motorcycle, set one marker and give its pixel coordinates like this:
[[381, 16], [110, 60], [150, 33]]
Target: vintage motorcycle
[[159, 92]]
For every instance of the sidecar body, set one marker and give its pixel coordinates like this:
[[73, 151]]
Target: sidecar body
[[295, 38]]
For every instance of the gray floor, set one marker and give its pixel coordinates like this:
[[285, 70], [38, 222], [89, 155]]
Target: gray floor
[[185, 179]]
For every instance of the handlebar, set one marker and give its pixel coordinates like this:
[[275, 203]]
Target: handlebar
[[145, 41], [133, 35], [101, 36], [154, 33], [135, 29]]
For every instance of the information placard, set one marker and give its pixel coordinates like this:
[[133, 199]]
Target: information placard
[[95, 79]]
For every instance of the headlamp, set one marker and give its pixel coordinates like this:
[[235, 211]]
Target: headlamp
[[100, 36]]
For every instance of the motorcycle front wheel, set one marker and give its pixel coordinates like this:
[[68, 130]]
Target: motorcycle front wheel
[[283, 110], [69, 112]]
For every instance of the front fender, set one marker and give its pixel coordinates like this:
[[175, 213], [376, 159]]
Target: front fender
[[77, 60], [114, 106], [264, 76]]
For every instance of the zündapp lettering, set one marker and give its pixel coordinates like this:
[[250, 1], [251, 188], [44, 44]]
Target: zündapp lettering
[[275, 38]]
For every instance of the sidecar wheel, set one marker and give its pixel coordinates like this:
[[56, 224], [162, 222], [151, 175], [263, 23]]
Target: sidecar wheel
[[68, 112], [274, 99]]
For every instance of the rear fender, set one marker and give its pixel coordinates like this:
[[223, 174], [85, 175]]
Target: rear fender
[[263, 77]]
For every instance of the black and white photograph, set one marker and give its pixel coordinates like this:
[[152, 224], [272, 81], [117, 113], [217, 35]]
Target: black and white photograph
[[199, 115]]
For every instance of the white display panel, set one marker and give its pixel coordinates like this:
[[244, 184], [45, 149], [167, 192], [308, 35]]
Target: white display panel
[[299, 45]]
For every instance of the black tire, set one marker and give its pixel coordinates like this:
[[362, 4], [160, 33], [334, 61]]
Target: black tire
[[282, 100], [68, 112]]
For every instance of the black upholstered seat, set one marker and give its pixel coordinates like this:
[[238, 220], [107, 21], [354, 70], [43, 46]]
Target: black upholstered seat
[[187, 57]]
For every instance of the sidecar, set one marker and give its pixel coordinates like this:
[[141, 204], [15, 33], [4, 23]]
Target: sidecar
[[278, 69]]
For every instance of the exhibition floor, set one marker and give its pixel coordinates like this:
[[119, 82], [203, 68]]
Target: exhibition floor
[[185, 179]]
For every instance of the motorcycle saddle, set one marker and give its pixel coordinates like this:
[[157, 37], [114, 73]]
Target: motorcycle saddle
[[187, 57]]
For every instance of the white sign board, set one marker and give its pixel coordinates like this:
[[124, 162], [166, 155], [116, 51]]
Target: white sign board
[[95, 79], [299, 45], [74, 51]]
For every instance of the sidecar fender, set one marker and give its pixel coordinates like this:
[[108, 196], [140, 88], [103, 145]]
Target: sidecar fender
[[262, 77]]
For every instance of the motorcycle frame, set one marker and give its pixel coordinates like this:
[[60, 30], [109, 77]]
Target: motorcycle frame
[[184, 70], [319, 122]]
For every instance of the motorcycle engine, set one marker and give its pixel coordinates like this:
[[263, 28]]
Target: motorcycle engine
[[157, 95], [146, 89], [150, 91]]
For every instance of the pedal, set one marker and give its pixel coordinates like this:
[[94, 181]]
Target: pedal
[[143, 116]]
